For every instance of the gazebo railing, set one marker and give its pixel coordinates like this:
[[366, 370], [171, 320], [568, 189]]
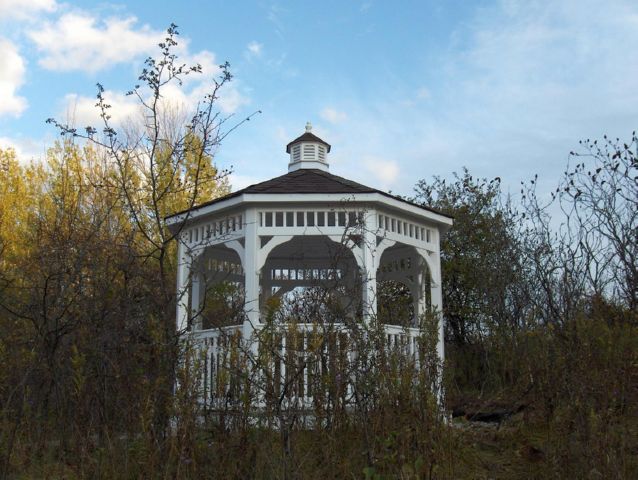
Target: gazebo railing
[[291, 363]]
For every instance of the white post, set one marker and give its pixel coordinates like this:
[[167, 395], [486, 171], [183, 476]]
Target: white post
[[433, 261], [420, 297], [369, 270], [437, 305], [436, 290], [196, 306], [251, 272], [183, 301]]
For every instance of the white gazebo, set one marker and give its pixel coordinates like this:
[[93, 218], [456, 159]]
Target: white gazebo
[[307, 229]]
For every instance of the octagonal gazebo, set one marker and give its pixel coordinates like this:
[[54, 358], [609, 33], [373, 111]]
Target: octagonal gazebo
[[307, 229]]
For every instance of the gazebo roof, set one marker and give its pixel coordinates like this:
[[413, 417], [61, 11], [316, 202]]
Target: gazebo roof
[[307, 181]]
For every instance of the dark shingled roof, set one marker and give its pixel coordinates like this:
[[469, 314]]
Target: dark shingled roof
[[307, 180], [307, 137]]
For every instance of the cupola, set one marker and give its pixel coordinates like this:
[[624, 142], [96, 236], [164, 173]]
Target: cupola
[[308, 151]]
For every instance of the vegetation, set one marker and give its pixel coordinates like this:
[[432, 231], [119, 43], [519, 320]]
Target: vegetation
[[541, 309], [540, 304]]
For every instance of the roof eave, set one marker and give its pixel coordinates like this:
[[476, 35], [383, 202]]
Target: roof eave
[[377, 198]]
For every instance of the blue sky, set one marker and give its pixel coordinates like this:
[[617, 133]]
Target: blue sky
[[402, 90]]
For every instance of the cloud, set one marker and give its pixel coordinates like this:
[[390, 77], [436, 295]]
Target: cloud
[[333, 116], [238, 182], [232, 100], [80, 41], [535, 77], [546, 57], [274, 16], [229, 99], [23, 9], [254, 49], [205, 59], [12, 68], [80, 111], [514, 91], [386, 172], [26, 148]]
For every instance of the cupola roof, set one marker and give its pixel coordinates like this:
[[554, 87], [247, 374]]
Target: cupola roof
[[308, 151], [308, 136]]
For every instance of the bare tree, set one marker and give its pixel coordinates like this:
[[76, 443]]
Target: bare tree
[[583, 242]]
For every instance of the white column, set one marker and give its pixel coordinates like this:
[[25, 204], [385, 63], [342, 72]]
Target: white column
[[196, 306], [251, 272], [182, 295], [417, 292], [437, 300], [422, 277], [370, 264]]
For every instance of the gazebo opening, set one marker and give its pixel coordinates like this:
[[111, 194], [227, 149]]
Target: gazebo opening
[[403, 286], [312, 279], [217, 289]]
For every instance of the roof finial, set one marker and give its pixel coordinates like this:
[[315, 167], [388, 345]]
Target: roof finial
[[308, 126]]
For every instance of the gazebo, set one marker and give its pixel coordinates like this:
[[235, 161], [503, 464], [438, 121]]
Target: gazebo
[[306, 231]]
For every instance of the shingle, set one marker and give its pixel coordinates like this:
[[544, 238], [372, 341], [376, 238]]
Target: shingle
[[307, 137], [308, 181]]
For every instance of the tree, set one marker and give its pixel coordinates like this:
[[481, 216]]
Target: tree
[[87, 280], [594, 250], [479, 256], [162, 164]]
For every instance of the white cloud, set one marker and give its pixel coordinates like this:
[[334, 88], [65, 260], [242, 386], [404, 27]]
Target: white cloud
[[536, 77], [515, 91], [196, 85], [204, 58], [254, 49], [80, 41], [80, 111], [26, 148], [232, 100], [12, 68], [333, 116], [237, 182], [274, 16], [386, 172], [23, 9]]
